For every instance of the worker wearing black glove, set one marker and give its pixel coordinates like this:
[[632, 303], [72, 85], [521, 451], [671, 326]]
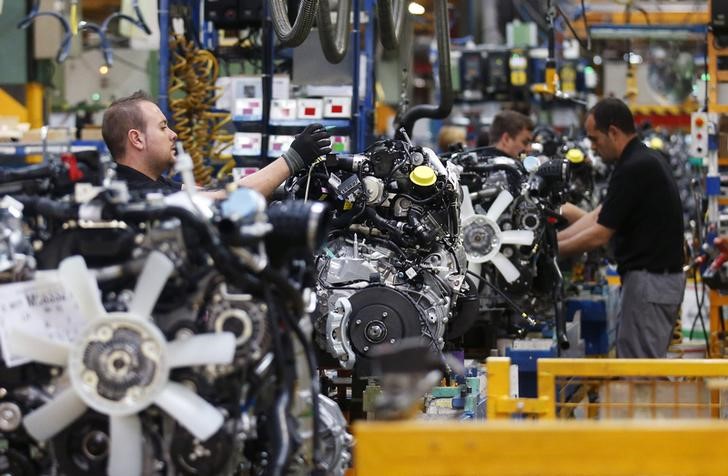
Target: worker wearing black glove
[[142, 158], [309, 145]]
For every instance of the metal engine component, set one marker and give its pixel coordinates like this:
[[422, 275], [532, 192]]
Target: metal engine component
[[374, 189], [120, 366], [16, 257], [243, 316], [193, 457], [394, 266], [390, 306], [10, 416], [336, 442]]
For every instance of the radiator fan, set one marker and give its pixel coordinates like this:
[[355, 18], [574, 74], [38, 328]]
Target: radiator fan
[[483, 237], [120, 364]]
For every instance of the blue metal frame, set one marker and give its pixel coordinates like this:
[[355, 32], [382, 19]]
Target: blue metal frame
[[361, 131], [356, 44], [366, 111], [164, 57]]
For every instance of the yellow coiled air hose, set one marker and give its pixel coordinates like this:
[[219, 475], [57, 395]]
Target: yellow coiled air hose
[[192, 95]]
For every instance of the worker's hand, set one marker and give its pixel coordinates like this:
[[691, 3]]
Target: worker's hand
[[309, 145]]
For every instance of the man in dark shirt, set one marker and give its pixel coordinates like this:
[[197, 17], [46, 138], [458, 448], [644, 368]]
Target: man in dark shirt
[[510, 135], [642, 213], [143, 146]]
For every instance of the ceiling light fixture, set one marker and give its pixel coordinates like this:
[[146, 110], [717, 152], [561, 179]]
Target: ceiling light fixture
[[416, 9]]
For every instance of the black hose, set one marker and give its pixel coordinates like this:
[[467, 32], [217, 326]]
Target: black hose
[[557, 292], [391, 15], [27, 173], [345, 219], [315, 386], [334, 42], [524, 315], [48, 208], [442, 31], [288, 35], [224, 260], [278, 419], [385, 225]]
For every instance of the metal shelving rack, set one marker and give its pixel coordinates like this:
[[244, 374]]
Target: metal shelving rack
[[358, 127]]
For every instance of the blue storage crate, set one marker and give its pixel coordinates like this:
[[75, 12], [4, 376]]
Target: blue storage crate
[[597, 326], [526, 361]]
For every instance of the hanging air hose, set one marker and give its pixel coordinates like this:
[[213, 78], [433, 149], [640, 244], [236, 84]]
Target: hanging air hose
[[193, 73], [442, 31], [391, 15], [65, 46], [288, 35], [334, 43]]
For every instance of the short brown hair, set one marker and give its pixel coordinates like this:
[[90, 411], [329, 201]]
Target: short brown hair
[[123, 115], [509, 122]]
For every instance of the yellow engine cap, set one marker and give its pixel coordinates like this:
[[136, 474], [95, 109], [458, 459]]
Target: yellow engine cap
[[575, 156], [656, 143], [423, 176]]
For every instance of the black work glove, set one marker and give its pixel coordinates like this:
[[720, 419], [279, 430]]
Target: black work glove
[[309, 145]]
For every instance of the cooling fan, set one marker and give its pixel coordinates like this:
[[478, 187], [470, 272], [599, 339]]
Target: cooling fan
[[120, 364], [483, 237]]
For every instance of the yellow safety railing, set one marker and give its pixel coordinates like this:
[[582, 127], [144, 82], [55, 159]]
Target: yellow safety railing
[[541, 448], [621, 388], [550, 446]]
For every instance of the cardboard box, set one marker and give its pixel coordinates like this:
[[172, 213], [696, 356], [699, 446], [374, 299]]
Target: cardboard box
[[247, 143], [310, 108], [91, 133], [54, 135], [337, 107], [248, 109], [283, 110]]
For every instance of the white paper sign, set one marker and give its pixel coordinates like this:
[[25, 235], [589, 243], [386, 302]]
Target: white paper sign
[[44, 308]]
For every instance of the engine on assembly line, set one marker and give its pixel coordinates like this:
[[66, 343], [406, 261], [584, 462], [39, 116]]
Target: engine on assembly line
[[393, 267], [152, 335], [509, 235]]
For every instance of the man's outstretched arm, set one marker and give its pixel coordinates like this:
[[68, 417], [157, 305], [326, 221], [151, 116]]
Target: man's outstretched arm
[[589, 238]]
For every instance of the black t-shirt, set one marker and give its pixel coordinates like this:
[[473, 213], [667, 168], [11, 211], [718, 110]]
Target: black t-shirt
[[643, 207], [492, 151], [138, 182]]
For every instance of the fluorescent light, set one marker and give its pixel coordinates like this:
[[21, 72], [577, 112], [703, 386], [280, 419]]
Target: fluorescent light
[[416, 9]]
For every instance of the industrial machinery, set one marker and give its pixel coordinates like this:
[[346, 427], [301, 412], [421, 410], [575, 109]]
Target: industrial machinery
[[393, 268], [158, 339], [509, 235]]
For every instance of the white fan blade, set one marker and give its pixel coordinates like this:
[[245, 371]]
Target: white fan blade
[[37, 348], [150, 284], [499, 205], [125, 454], [202, 349], [55, 415], [517, 237], [474, 267], [466, 208], [190, 410], [506, 268], [82, 284]]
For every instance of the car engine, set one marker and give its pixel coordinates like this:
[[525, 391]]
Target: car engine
[[170, 358], [509, 235], [393, 266]]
